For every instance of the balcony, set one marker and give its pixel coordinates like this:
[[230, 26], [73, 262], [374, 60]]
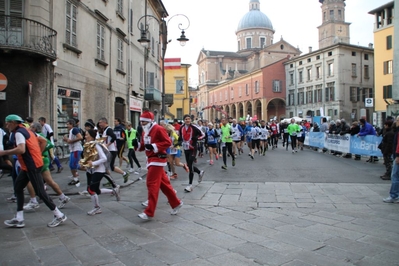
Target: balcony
[[17, 33], [169, 99], [152, 94]]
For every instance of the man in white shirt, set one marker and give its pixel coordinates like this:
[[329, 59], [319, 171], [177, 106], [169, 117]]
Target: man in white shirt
[[49, 133]]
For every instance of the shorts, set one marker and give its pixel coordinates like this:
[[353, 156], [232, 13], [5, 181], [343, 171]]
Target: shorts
[[121, 148], [74, 158], [242, 138], [46, 164], [213, 146], [177, 155], [237, 141], [301, 139], [249, 139]]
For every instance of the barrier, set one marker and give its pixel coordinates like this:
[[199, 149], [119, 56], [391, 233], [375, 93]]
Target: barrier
[[366, 145]]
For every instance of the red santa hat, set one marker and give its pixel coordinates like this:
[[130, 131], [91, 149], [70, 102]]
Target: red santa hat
[[147, 116]]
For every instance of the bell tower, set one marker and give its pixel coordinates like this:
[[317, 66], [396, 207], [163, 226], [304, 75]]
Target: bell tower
[[333, 29]]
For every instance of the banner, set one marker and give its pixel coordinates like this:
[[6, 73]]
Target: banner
[[367, 145], [337, 142]]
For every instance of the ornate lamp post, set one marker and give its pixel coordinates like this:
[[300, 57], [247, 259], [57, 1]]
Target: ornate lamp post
[[163, 32]]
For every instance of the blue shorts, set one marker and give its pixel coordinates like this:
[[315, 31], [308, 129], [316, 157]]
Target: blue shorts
[[177, 155], [74, 158]]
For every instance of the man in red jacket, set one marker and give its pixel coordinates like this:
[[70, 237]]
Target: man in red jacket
[[154, 142]]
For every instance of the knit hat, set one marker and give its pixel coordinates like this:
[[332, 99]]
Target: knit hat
[[147, 116]]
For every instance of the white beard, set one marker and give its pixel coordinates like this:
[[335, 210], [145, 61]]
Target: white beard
[[147, 128]]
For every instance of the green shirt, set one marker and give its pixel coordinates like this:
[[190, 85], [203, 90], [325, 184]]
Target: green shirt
[[226, 133], [293, 129], [130, 136]]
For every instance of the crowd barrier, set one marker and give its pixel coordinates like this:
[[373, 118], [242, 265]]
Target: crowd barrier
[[366, 145]]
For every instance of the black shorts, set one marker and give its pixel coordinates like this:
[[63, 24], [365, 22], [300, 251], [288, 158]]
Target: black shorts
[[242, 138], [212, 146], [237, 141], [301, 139]]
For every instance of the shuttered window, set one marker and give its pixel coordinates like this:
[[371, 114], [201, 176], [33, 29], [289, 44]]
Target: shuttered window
[[70, 25]]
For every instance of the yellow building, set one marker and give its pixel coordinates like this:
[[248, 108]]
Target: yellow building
[[177, 94], [383, 56]]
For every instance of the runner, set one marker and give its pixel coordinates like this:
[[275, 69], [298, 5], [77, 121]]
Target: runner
[[131, 140], [174, 152], [263, 137], [255, 134], [119, 132], [248, 136], [211, 142], [26, 146], [188, 137], [236, 136], [227, 143], [75, 147], [293, 129], [49, 133], [274, 134]]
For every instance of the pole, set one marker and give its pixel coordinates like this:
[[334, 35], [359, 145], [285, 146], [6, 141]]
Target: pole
[[164, 34]]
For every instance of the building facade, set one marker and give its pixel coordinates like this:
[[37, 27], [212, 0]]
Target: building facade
[[383, 58], [236, 81], [176, 88], [79, 59], [336, 80]]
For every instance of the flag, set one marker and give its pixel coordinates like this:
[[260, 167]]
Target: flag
[[172, 63]]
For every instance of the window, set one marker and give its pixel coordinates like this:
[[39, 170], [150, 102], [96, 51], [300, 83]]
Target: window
[[329, 54], [330, 92], [216, 98], [388, 67], [256, 86], [291, 78], [300, 77], [120, 7], [152, 46], [179, 113], [318, 94], [367, 93], [318, 72], [366, 72], [277, 85], [151, 79], [100, 42], [309, 74], [141, 78], [220, 96], [249, 43], [246, 89], [353, 53], [331, 69], [120, 54], [353, 94], [232, 93], [389, 42], [225, 95], [239, 91], [317, 57], [330, 112], [366, 56], [331, 14], [291, 65], [131, 23], [179, 86], [354, 74], [387, 91], [300, 63], [129, 71], [339, 15], [262, 42], [324, 16], [70, 31], [291, 98], [309, 60], [300, 98], [238, 46], [309, 97]]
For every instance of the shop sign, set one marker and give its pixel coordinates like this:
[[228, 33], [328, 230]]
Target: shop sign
[[3, 82], [62, 92], [2, 95], [135, 105]]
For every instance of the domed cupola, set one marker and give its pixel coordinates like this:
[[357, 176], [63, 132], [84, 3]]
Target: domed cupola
[[255, 30]]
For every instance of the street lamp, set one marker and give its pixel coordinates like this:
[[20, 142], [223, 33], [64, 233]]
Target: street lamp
[[163, 32]]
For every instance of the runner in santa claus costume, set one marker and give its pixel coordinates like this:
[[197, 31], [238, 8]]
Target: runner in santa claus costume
[[155, 141]]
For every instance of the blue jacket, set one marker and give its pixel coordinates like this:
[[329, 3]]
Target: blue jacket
[[367, 129]]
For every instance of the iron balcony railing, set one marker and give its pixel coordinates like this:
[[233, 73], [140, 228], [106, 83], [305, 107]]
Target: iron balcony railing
[[27, 35]]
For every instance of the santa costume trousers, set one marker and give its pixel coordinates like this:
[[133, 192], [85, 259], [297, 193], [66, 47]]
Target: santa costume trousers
[[156, 180]]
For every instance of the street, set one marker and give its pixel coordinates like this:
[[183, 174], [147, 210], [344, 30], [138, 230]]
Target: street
[[306, 208]]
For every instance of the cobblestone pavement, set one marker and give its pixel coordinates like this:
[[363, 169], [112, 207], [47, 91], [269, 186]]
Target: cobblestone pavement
[[286, 209]]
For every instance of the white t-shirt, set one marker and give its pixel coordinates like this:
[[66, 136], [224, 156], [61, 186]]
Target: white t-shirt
[[46, 129], [2, 134], [19, 139]]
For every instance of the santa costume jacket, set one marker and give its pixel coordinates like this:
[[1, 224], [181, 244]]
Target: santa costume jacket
[[160, 141]]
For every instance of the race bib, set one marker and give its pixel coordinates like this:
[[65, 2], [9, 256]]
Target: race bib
[[285, 130], [211, 139], [147, 140], [173, 151], [293, 134], [186, 145]]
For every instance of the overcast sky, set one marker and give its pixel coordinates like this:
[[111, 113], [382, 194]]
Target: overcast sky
[[213, 24]]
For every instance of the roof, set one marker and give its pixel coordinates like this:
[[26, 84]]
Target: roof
[[254, 19], [378, 9]]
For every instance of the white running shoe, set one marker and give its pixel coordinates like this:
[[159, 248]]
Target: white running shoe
[[63, 202], [96, 210], [189, 188], [144, 216], [31, 206], [57, 221], [176, 210], [145, 203], [116, 192], [131, 170]]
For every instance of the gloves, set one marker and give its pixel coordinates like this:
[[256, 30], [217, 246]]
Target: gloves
[[149, 147]]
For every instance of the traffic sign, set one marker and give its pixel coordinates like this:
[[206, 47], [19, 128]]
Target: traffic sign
[[369, 102], [3, 82]]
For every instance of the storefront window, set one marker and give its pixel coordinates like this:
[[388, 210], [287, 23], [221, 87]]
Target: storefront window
[[68, 107]]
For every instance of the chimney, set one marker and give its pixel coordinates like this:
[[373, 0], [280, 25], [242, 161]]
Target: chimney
[[310, 49], [370, 45]]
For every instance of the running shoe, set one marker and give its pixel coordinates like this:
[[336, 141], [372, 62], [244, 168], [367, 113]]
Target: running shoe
[[391, 200], [224, 167], [252, 157], [144, 216], [116, 192], [59, 170], [217, 157], [138, 169], [74, 182], [14, 223], [12, 199], [264, 153], [186, 168], [200, 176], [189, 188], [125, 177], [57, 221], [144, 203], [96, 210], [211, 162], [31, 206], [176, 210], [62, 202], [131, 170], [233, 163]]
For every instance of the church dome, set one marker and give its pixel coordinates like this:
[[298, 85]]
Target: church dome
[[254, 18]]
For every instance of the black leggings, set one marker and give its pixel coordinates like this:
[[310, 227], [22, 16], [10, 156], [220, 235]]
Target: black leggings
[[93, 182], [285, 138], [255, 143], [111, 164], [36, 179], [229, 146], [132, 157], [190, 157], [293, 142]]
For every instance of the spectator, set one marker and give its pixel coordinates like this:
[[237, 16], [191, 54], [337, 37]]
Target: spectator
[[394, 191], [386, 149], [367, 129]]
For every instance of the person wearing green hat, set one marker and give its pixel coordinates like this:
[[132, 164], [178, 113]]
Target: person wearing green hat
[[28, 147]]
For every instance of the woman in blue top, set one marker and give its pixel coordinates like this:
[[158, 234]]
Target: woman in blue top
[[211, 141]]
